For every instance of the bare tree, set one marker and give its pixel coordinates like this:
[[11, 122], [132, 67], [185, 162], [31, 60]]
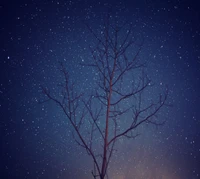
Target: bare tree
[[119, 96]]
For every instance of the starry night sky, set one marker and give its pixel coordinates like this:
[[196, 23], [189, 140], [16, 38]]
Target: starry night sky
[[36, 139]]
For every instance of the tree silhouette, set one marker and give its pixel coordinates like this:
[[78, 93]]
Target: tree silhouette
[[119, 96]]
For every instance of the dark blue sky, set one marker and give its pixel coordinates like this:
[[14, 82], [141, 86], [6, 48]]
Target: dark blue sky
[[36, 139]]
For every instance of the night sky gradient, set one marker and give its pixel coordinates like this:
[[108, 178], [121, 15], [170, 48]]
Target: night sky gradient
[[36, 139]]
